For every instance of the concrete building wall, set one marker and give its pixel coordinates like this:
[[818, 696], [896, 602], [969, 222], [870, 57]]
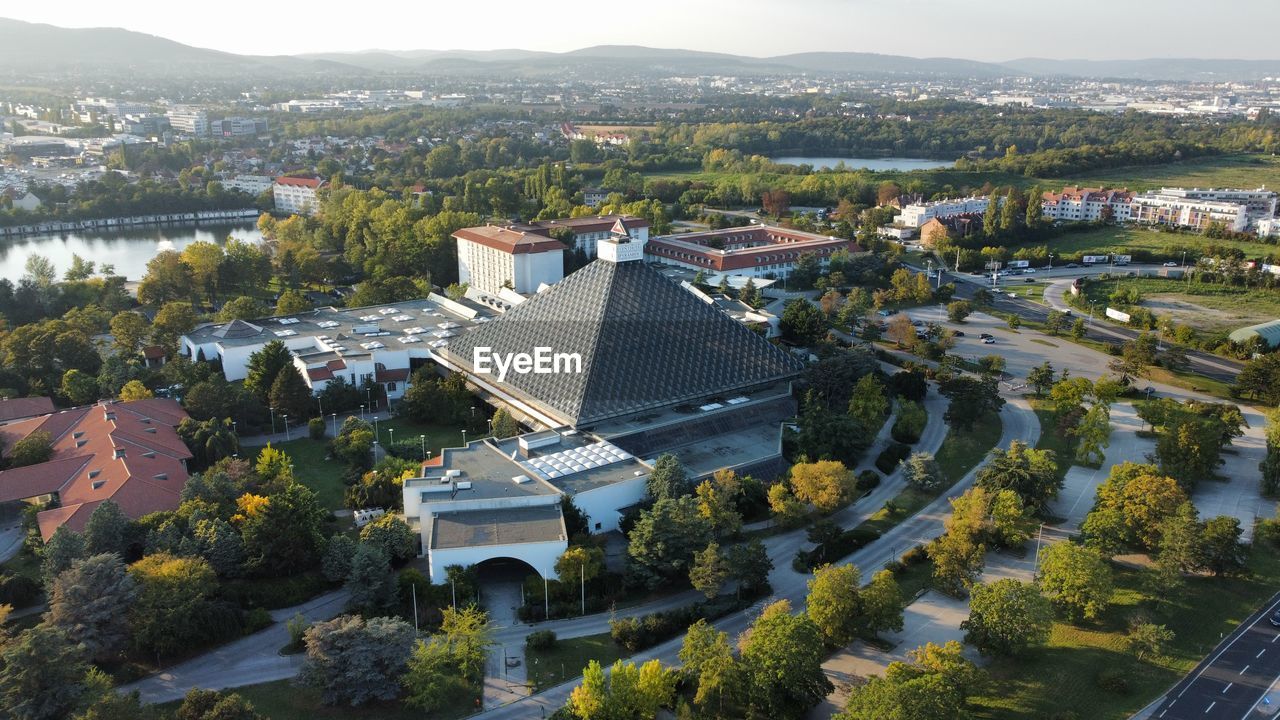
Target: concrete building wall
[[541, 556], [603, 504]]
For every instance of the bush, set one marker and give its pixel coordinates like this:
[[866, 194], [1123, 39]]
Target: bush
[[540, 640], [635, 634], [915, 556], [868, 480], [1113, 681], [18, 591], [276, 592], [845, 543], [910, 422], [256, 619], [315, 428], [888, 460], [895, 566]]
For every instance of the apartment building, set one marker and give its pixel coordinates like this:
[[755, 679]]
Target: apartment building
[[1176, 209], [253, 184], [1077, 204], [189, 120], [1258, 203], [494, 258], [916, 215], [238, 127], [297, 195]]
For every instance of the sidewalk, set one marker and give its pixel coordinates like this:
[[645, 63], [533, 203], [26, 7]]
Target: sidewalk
[[297, 431]]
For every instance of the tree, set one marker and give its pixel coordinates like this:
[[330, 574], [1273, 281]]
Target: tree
[[370, 584], [834, 603], [1031, 473], [708, 571], [825, 484], [353, 661], [869, 404], [1009, 519], [970, 399], [583, 563], [626, 692], [1077, 579], [1148, 639], [786, 509], [61, 551], [285, 539], [172, 321], [504, 425], [750, 294], [130, 330], [274, 468], [958, 310], [882, 604], [934, 685], [1054, 321], [1078, 329], [802, 323], [1224, 554], [290, 395], [40, 674], [663, 542], [749, 565], [107, 530], [31, 450], [783, 658], [242, 308], [263, 367], [167, 279], [220, 545], [215, 705], [707, 657], [79, 388], [1131, 505], [135, 390], [205, 261], [668, 479], [901, 331], [172, 593], [393, 536], [922, 470], [87, 602], [338, 553], [1093, 434], [717, 503], [1006, 617], [291, 302]]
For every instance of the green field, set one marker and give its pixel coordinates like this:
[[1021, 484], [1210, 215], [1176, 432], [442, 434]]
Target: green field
[[1207, 307], [566, 660], [1134, 240], [1063, 675], [962, 451], [1242, 171]]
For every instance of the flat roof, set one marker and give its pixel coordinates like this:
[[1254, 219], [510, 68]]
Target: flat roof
[[350, 328], [484, 473], [499, 526]]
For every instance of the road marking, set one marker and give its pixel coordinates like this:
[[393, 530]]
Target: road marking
[[1206, 710], [1246, 668], [1162, 712], [1274, 639], [1228, 687], [1255, 657]]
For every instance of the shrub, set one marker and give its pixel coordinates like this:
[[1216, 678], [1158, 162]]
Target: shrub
[[915, 556], [910, 423], [18, 591], [868, 480], [540, 640], [256, 619], [315, 428], [888, 460], [895, 566]]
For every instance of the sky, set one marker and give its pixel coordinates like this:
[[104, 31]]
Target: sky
[[989, 30]]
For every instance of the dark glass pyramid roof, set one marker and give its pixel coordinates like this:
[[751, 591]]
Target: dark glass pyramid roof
[[645, 342]]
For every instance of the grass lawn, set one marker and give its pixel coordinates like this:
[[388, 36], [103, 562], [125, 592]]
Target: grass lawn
[[1063, 675], [962, 451], [325, 476], [282, 700], [1128, 240], [1064, 446], [1207, 307], [1249, 171], [566, 660], [905, 504]]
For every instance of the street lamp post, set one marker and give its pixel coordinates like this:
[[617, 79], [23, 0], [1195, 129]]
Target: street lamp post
[[273, 420], [286, 428], [374, 449], [392, 432], [335, 423], [464, 438], [362, 411], [423, 440], [1050, 262]]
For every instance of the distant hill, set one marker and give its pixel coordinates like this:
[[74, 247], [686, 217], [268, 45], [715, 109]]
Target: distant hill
[[1182, 69], [36, 48]]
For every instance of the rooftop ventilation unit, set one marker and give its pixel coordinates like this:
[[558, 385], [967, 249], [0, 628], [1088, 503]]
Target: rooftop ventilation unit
[[520, 479], [464, 485]]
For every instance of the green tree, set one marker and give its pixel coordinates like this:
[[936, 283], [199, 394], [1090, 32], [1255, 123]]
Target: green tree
[[504, 425], [583, 563], [393, 536], [135, 390], [1009, 519], [991, 218], [291, 302], [61, 551], [290, 395], [1224, 554], [869, 403], [922, 470], [31, 450], [370, 584], [242, 308], [172, 321], [1031, 473], [749, 565], [130, 330], [263, 367], [1131, 505], [40, 674], [338, 553], [79, 388], [825, 484], [802, 322], [970, 399], [718, 504], [882, 604], [1093, 434], [214, 705], [707, 657], [87, 602], [284, 539], [353, 661], [958, 310], [1006, 617], [783, 657], [626, 692], [1147, 639], [1035, 210], [1078, 329], [665, 538], [834, 603], [668, 479], [709, 571], [171, 602], [935, 685], [1076, 579], [107, 530]]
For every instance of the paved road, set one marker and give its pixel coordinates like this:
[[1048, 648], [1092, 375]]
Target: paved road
[[1234, 682]]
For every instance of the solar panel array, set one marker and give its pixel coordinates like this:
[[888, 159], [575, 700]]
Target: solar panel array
[[578, 459]]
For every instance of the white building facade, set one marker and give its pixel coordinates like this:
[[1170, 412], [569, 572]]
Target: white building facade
[[297, 195], [918, 214]]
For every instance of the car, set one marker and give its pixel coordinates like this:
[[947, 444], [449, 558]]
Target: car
[[957, 333], [989, 341], [984, 336], [1029, 271], [1073, 265], [1171, 264], [918, 323], [1028, 280], [1012, 294], [1275, 618], [885, 313]]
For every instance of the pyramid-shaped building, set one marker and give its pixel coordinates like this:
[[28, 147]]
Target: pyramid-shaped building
[[644, 343]]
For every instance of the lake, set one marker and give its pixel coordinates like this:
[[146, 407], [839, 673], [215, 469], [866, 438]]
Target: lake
[[129, 250], [893, 164]]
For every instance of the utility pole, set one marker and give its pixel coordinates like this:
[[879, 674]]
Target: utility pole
[[414, 589], [1039, 535], [546, 597], [583, 574]]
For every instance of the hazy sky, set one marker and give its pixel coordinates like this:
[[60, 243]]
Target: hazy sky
[[977, 29]]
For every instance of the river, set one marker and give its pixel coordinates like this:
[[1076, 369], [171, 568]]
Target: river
[[128, 250], [877, 164]]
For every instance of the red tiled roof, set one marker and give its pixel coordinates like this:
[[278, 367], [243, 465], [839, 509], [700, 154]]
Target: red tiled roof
[[299, 181], [128, 452], [15, 408], [338, 364], [745, 247], [515, 242], [153, 352], [392, 375], [319, 373]]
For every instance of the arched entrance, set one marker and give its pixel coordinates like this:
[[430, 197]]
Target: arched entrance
[[502, 581]]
